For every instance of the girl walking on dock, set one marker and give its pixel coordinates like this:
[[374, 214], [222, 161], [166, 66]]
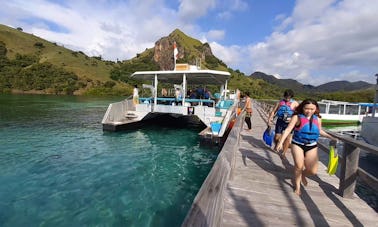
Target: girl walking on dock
[[307, 126]]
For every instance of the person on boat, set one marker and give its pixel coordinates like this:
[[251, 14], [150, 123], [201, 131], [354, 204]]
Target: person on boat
[[307, 126], [135, 95], [200, 92], [283, 110], [193, 95], [207, 95], [164, 92], [178, 96], [248, 110]]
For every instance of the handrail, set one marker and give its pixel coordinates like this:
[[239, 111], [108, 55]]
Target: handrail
[[179, 100], [349, 163]]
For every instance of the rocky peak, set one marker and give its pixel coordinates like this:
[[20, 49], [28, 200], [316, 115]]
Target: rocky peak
[[163, 53], [189, 50]]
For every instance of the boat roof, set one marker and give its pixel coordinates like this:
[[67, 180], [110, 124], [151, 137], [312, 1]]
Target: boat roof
[[192, 76], [368, 104]]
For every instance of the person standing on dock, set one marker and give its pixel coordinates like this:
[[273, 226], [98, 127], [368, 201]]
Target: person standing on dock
[[248, 110], [284, 109], [307, 126]]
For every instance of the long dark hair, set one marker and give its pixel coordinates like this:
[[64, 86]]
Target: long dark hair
[[299, 109]]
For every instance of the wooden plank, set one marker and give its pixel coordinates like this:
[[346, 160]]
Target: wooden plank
[[261, 192]]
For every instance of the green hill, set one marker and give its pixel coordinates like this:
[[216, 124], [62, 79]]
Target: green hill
[[88, 75], [18, 42], [29, 64]]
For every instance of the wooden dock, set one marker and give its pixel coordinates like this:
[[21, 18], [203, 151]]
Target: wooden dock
[[258, 190]]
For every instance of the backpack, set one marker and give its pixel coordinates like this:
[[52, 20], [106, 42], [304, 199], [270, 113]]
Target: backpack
[[284, 111]]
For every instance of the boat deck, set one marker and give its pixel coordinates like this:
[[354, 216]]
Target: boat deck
[[260, 192]]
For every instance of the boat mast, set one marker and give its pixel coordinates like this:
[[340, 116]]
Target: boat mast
[[183, 88], [375, 97], [225, 89], [155, 92]]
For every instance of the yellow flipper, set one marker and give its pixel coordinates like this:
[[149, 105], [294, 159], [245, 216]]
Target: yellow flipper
[[333, 161]]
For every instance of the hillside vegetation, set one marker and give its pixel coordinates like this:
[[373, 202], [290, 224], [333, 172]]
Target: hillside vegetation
[[29, 64]]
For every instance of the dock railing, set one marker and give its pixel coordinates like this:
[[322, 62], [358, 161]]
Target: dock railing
[[207, 207], [348, 162]]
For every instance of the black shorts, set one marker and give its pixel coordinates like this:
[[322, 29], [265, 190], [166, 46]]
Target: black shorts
[[304, 147]]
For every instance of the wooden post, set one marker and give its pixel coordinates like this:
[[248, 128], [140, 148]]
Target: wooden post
[[349, 167]]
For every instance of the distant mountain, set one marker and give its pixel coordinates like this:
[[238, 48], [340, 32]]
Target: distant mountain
[[343, 86], [298, 87]]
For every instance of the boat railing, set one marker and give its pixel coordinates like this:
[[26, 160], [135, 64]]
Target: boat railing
[[174, 101], [116, 111]]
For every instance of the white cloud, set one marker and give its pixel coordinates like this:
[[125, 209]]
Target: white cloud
[[193, 9], [325, 36], [103, 28], [216, 34], [234, 55]]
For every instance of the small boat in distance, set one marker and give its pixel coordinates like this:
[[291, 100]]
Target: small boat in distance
[[338, 112], [215, 115]]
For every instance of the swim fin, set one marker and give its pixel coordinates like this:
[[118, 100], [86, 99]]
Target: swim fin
[[268, 136], [333, 161]]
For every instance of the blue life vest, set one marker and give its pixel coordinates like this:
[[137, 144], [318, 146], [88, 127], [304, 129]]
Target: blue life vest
[[307, 132], [284, 111]]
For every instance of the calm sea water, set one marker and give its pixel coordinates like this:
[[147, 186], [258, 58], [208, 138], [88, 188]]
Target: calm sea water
[[58, 168]]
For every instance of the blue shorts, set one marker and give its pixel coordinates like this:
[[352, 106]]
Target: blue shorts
[[281, 125]]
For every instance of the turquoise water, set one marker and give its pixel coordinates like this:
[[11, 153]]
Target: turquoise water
[[58, 168]]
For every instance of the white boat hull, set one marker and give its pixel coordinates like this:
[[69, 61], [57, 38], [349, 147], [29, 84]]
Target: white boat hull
[[369, 130]]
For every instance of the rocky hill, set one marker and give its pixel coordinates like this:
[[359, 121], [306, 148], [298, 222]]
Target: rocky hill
[[190, 51]]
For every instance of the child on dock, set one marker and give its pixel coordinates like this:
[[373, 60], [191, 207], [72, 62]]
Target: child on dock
[[307, 127], [283, 110], [248, 110]]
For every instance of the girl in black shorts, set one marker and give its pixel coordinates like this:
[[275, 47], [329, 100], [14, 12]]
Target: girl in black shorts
[[307, 126]]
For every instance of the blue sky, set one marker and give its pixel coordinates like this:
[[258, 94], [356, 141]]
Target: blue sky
[[313, 42]]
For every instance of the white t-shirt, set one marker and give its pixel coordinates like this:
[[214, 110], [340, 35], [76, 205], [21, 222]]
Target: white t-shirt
[[135, 92]]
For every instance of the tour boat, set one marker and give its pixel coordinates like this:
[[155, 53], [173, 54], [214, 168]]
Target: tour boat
[[337, 112], [216, 115]]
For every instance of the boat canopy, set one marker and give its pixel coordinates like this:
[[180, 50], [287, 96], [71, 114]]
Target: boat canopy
[[368, 104], [192, 76]]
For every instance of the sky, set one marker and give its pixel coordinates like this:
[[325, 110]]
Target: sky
[[313, 42]]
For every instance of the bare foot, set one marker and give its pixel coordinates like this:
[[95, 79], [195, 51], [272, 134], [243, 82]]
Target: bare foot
[[304, 180], [297, 191]]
